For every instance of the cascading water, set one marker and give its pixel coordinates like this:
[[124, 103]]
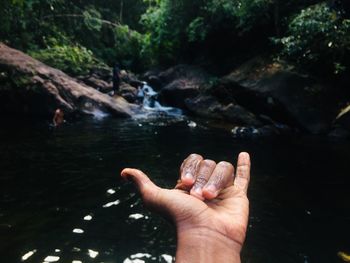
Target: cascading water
[[148, 100], [150, 104]]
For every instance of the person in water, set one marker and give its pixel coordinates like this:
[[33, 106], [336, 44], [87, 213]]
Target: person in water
[[209, 207], [58, 118], [116, 78]]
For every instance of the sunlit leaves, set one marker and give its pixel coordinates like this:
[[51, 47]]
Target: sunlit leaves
[[92, 19], [73, 59]]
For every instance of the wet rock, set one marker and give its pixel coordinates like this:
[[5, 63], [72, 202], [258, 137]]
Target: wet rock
[[175, 93], [258, 132], [178, 83], [128, 92], [152, 78], [97, 83], [209, 107], [275, 89], [130, 78], [102, 73]]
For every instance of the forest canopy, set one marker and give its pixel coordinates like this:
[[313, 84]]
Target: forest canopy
[[78, 35]]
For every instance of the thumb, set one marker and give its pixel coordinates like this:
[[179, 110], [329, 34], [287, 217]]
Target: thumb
[[146, 187]]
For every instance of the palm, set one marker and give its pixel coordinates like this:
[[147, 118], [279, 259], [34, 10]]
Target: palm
[[227, 213]]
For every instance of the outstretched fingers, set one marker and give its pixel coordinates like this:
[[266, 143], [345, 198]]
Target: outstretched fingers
[[242, 177]]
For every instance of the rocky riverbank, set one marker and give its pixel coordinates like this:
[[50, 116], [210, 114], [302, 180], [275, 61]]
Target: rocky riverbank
[[262, 96], [29, 87]]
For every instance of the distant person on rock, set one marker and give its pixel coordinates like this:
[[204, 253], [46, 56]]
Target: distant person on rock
[[116, 78], [58, 118]]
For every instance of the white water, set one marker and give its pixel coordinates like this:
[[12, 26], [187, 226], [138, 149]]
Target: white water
[[151, 106]]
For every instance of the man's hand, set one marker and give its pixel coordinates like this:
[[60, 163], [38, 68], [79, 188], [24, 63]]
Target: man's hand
[[209, 207]]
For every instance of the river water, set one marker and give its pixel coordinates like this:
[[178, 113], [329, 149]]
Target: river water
[[51, 179]]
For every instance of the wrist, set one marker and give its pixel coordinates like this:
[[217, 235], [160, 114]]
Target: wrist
[[206, 245]]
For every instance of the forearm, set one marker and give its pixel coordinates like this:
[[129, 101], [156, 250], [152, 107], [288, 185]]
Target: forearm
[[205, 245]]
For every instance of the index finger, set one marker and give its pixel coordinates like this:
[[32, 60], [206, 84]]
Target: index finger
[[242, 176]]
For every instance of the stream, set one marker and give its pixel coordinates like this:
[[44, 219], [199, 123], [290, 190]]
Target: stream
[[62, 199]]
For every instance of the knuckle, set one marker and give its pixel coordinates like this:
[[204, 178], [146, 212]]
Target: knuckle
[[225, 164], [242, 171], [195, 156], [201, 181], [207, 163]]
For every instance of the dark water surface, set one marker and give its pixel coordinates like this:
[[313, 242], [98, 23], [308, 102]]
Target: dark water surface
[[51, 179]]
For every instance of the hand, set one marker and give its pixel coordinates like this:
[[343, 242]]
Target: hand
[[209, 207]]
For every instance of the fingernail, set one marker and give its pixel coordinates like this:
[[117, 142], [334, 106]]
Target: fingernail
[[198, 190], [211, 188], [188, 176]]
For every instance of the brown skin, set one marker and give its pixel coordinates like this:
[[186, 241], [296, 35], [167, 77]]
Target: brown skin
[[209, 207], [58, 118]]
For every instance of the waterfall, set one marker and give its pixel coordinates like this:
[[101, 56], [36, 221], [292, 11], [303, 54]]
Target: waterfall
[[151, 105]]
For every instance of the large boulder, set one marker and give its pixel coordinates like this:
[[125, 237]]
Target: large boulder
[[277, 90], [175, 93], [30, 87], [179, 83], [209, 107]]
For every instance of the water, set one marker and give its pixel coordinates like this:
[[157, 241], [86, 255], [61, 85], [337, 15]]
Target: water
[[61, 195], [151, 107]]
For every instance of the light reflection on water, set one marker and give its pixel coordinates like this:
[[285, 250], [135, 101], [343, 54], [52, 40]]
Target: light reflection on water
[[56, 181]]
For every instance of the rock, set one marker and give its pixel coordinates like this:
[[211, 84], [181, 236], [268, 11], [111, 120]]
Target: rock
[[209, 107], [128, 92], [154, 82], [180, 83], [275, 89], [258, 132], [103, 73], [152, 79], [175, 93], [182, 71], [29, 87], [130, 78], [96, 83]]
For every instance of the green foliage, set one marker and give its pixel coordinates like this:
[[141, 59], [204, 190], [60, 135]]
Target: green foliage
[[92, 19], [74, 35], [197, 30], [73, 59], [79, 27], [243, 14], [318, 37], [164, 22], [174, 25]]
